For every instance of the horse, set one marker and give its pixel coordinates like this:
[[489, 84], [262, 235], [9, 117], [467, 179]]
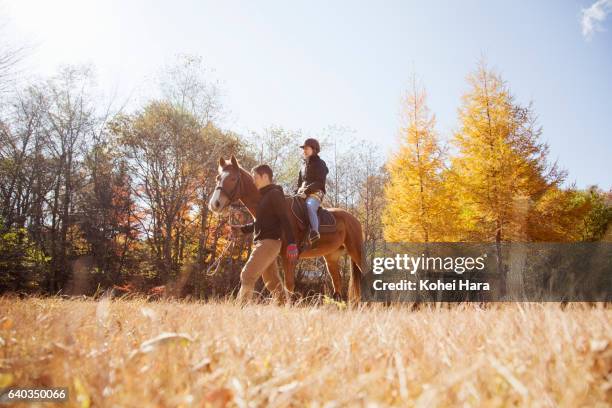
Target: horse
[[236, 184]]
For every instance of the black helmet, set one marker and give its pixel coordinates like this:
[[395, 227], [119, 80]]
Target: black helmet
[[312, 143]]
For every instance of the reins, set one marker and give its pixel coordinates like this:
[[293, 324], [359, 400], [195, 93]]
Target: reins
[[217, 263], [213, 268]]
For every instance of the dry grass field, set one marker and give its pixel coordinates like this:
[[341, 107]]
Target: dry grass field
[[134, 353]]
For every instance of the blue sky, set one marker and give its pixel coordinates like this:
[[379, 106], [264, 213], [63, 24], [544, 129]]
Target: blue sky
[[310, 65]]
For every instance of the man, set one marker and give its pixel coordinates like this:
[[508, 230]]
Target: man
[[311, 184], [270, 224]]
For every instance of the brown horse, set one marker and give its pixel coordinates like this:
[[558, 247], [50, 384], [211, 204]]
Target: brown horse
[[236, 184]]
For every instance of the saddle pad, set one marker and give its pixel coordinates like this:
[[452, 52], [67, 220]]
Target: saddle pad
[[327, 222]]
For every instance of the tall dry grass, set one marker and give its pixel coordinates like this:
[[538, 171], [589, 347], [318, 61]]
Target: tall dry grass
[[170, 353]]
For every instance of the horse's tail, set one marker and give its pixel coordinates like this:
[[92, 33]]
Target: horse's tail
[[355, 283], [355, 249]]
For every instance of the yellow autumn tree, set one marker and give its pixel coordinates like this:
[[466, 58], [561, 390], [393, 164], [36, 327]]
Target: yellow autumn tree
[[501, 170], [414, 193]]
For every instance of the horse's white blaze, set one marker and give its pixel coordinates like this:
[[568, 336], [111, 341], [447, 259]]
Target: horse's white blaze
[[218, 201], [214, 198]]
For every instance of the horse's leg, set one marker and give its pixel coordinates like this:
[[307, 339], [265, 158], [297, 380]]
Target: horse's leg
[[333, 267], [289, 269]]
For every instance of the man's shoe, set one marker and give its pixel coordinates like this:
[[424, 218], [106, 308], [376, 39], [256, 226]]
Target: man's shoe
[[314, 236]]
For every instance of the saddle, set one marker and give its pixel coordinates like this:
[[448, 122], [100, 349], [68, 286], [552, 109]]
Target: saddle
[[327, 222]]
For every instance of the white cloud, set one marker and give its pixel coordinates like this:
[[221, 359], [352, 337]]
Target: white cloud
[[594, 16]]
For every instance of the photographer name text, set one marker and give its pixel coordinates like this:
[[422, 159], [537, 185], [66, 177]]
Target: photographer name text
[[414, 264]]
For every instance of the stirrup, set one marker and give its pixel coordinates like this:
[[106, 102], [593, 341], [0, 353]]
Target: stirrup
[[314, 236]]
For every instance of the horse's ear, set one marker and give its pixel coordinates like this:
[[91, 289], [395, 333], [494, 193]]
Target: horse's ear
[[221, 162], [234, 161]]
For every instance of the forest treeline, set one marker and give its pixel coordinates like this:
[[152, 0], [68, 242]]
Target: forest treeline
[[94, 197]]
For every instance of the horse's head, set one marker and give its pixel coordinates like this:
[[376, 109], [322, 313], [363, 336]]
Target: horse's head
[[229, 185]]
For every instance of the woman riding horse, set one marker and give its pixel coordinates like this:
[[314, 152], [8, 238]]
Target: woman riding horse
[[311, 184]]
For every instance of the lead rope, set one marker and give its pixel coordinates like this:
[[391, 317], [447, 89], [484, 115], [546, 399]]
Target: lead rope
[[228, 246]]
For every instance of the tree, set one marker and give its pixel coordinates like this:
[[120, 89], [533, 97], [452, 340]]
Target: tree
[[278, 148], [570, 215], [415, 191], [172, 159], [341, 151], [11, 56], [161, 144], [598, 221], [371, 198], [107, 212], [22, 262], [189, 86], [44, 132], [24, 178], [69, 122], [501, 169]]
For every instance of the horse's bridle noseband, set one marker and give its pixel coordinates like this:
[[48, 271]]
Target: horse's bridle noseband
[[233, 195]]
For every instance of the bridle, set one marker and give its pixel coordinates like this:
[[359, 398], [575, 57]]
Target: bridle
[[232, 196], [236, 190]]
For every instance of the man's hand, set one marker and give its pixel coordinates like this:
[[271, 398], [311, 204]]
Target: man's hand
[[292, 252]]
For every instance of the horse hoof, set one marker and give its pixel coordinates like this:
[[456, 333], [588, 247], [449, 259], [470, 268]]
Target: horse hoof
[[337, 297]]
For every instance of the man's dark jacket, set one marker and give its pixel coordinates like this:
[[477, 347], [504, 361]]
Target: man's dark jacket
[[271, 216], [313, 174]]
